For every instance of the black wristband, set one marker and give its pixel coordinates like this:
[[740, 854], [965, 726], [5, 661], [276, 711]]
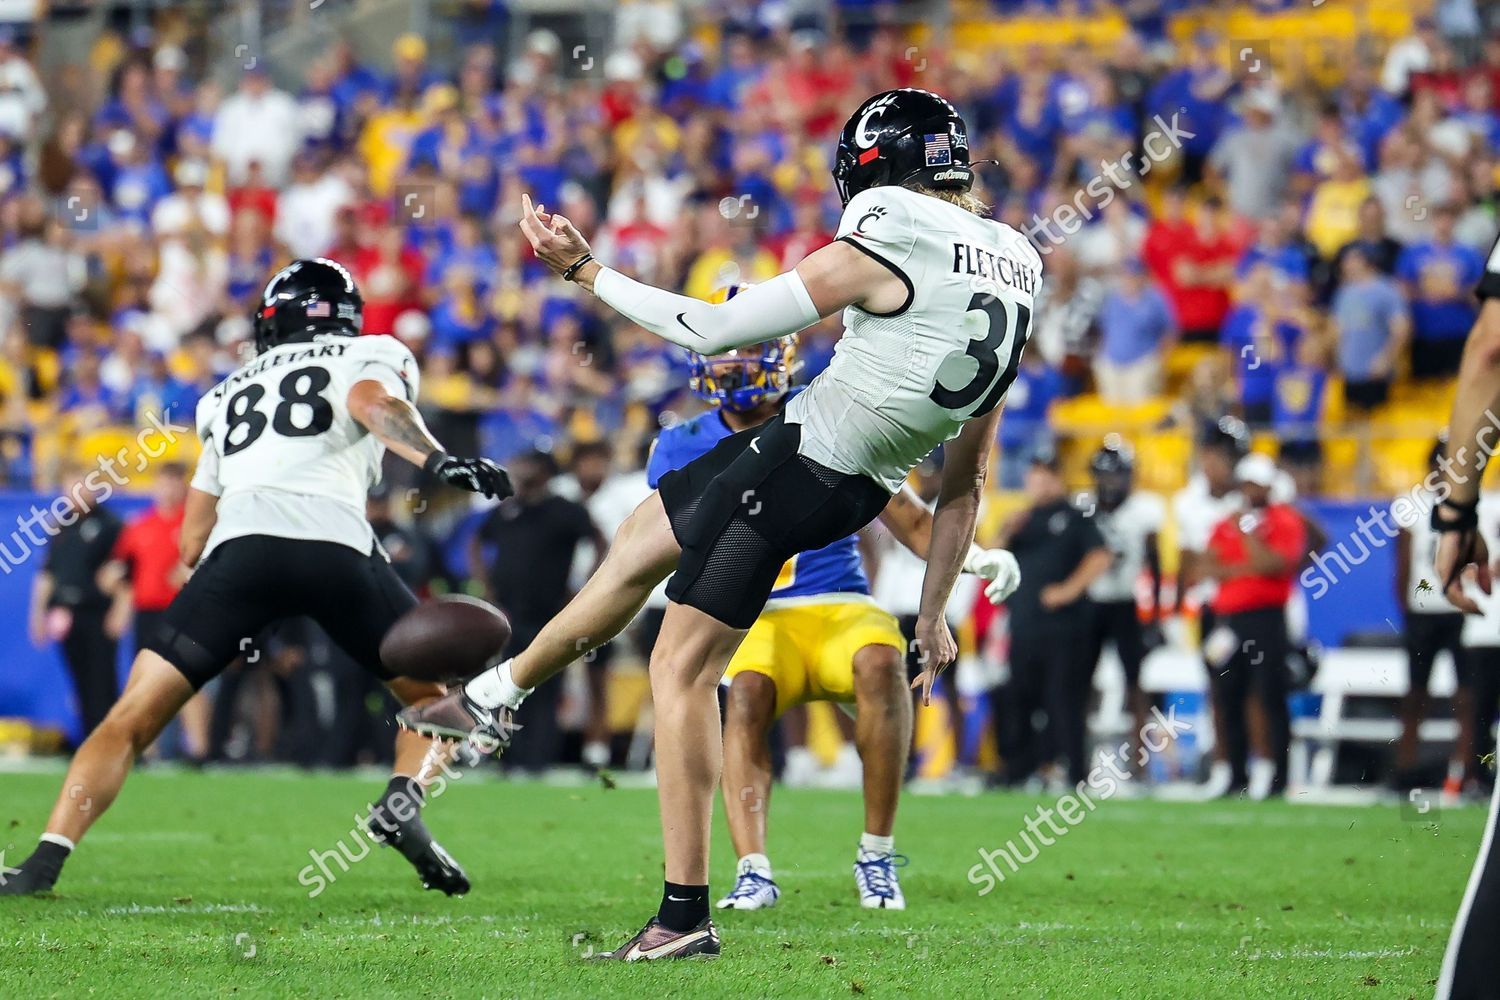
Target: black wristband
[[572, 269], [1467, 520], [437, 458]]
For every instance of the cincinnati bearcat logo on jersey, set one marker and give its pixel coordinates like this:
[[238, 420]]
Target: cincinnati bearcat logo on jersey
[[972, 260]]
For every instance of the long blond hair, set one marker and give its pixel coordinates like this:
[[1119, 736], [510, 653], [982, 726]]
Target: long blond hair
[[966, 200]]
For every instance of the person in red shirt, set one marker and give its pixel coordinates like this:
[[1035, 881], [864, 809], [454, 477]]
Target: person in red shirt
[[144, 573], [1194, 262], [1254, 554]]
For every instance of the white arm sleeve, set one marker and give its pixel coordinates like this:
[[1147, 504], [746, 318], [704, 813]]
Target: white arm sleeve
[[761, 312]]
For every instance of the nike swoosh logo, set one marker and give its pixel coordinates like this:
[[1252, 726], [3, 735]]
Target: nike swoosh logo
[[679, 899], [686, 327], [637, 953]]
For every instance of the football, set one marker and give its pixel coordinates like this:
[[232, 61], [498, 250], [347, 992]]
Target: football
[[452, 637]]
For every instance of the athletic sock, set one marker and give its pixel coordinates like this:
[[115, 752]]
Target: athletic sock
[[757, 863], [496, 687], [683, 907], [869, 843]]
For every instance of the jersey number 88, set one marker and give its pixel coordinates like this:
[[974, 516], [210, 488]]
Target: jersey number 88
[[303, 387]]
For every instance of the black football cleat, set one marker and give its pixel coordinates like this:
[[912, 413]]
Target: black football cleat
[[435, 866], [654, 942], [37, 874], [455, 716]]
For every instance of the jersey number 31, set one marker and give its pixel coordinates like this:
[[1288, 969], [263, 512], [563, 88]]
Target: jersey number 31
[[988, 382], [301, 410]]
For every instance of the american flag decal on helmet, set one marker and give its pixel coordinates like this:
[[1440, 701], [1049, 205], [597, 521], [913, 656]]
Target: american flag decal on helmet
[[939, 150], [319, 310]]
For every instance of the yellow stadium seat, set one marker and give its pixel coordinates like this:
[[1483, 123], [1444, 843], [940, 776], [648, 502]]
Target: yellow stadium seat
[[1401, 462], [1163, 460]]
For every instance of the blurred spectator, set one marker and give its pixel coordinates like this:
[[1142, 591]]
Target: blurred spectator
[[257, 124], [1372, 328], [1255, 158], [1439, 275], [44, 275], [1260, 335], [1135, 327], [1193, 261]]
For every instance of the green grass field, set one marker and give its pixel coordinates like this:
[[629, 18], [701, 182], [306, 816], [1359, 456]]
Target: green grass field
[[189, 887]]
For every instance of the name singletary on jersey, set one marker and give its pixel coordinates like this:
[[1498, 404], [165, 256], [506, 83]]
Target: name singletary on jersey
[[280, 449]]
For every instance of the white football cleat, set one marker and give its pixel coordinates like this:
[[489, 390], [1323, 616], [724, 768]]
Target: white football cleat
[[752, 891], [875, 875]]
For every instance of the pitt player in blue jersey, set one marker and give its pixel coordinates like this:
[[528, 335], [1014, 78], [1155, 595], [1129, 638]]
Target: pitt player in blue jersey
[[820, 638]]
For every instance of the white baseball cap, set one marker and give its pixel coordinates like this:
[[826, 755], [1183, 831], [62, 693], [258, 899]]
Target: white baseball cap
[[1256, 468]]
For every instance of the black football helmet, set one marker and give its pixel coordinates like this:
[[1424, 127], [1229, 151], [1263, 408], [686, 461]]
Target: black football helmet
[[902, 137], [1229, 434], [306, 298], [1113, 468]]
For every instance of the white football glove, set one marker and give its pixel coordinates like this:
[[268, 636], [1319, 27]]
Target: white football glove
[[997, 566]]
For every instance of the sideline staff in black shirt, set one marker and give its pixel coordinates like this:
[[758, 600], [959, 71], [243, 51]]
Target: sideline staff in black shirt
[[68, 607], [1060, 551]]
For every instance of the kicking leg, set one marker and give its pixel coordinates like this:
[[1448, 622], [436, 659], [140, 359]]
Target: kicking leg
[[155, 692], [643, 554], [749, 711], [883, 734]]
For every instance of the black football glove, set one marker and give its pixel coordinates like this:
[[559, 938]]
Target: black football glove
[[476, 475]]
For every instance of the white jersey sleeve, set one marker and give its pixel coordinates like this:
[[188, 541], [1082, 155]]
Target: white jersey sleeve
[[883, 227], [281, 449], [903, 382]]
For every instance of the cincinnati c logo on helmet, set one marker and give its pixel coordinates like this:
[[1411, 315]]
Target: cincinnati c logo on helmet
[[863, 137]]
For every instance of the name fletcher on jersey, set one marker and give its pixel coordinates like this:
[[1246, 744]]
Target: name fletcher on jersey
[[981, 263]]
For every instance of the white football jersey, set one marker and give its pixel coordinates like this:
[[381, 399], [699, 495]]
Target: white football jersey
[[1127, 530], [281, 451], [902, 383], [1423, 593]]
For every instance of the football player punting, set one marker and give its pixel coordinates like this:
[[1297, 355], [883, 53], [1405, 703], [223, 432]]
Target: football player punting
[[275, 522], [820, 638], [937, 307]]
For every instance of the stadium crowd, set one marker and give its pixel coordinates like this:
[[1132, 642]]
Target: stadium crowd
[[1307, 245]]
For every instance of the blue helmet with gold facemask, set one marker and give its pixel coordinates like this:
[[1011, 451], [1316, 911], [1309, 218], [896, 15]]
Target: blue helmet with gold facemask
[[742, 379]]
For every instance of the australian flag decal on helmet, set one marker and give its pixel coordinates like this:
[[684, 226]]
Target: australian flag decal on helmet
[[938, 149]]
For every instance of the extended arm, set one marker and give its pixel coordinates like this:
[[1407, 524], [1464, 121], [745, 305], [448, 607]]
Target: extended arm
[[397, 425], [829, 279], [952, 532]]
